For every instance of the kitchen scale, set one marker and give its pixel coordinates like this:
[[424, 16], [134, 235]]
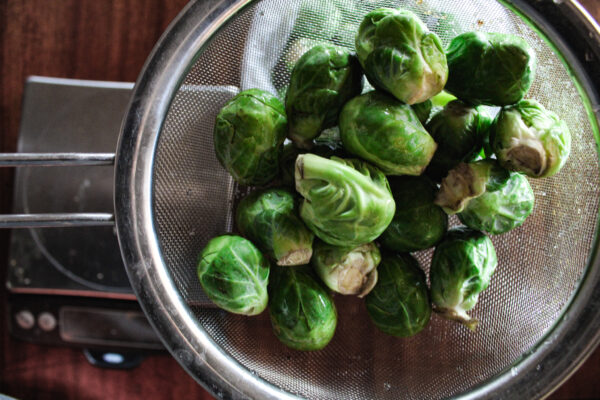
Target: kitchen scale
[[68, 286]]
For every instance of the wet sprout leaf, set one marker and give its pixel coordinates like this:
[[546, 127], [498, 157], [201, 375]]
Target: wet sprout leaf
[[418, 223], [498, 211], [461, 268], [234, 274], [458, 130], [530, 139], [387, 133], [303, 315], [423, 110], [347, 270], [347, 202], [490, 68], [323, 79], [467, 181], [400, 55], [248, 136], [399, 303], [269, 219]]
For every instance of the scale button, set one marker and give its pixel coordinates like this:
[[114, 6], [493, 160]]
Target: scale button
[[46, 321], [25, 319]]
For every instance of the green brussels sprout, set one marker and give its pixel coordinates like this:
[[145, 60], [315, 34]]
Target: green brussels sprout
[[400, 55], [234, 275], [316, 22], [418, 223], [327, 144], [324, 78], [496, 69], [347, 270], [498, 211], [528, 138], [468, 181], [302, 313], [458, 130], [399, 303], [461, 268], [423, 110], [486, 123], [347, 202], [269, 219], [248, 136], [387, 133]]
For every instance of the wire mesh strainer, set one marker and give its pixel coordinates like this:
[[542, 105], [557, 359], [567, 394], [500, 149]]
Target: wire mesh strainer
[[538, 318]]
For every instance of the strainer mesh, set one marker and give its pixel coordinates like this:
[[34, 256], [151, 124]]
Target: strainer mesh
[[540, 263]]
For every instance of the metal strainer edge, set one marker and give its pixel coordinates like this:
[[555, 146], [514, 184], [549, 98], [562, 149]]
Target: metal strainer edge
[[171, 317], [164, 307]]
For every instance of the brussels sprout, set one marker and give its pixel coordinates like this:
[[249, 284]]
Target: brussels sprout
[[248, 136], [234, 275], [498, 211], [486, 123], [418, 224], [347, 202], [327, 144], [423, 110], [303, 314], [347, 270], [399, 303], [461, 268], [458, 131], [468, 181], [528, 138], [316, 22], [400, 56], [490, 68], [323, 80], [269, 219], [387, 133]]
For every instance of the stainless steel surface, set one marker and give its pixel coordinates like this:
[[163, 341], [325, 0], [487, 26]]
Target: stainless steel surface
[[58, 131], [166, 309], [72, 274], [106, 327], [541, 314], [55, 159], [55, 220], [79, 117]]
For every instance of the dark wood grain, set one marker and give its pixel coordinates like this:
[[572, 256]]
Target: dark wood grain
[[106, 40]]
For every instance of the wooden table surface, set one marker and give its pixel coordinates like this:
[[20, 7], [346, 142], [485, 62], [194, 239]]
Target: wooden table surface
[[106, 40]]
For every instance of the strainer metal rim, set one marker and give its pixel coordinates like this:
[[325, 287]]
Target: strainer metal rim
[[164, 307], [166, 310]]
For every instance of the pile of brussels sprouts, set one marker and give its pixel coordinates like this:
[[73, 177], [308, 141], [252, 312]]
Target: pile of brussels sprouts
[[370, 176]]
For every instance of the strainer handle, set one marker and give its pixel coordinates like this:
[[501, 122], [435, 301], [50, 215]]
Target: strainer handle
[[55, 220], [55, 159]]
